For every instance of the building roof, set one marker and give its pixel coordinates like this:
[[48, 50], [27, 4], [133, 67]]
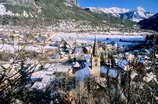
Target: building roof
[[95, 52]]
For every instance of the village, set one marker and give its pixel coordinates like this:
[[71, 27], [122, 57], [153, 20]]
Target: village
[[77, 64], [78, 52]]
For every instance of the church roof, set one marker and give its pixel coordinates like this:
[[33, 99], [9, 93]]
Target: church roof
[[95, 52]]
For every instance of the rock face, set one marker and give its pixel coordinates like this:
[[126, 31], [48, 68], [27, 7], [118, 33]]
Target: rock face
[[150, 23]]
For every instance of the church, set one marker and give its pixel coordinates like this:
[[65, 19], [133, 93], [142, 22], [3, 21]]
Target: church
[[95, 68]]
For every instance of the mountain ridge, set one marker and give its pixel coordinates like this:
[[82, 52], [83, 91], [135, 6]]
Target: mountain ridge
[[51, 12], [150, 23], [133, 15]]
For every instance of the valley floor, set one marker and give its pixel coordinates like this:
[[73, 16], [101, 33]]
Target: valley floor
[[55, 57]]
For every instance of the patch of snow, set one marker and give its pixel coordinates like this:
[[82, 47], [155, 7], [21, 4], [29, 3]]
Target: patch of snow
[[89, 38], [133, 75], [42, 79], [122, 63], [83, 74], [25, 14], [141, 11], [14, 48], [76, 64], [3, 11], [88, 60], [112, 72], [46, 81]]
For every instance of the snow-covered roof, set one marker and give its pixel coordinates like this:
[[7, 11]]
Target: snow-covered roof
[[44, 83], [47, 76], [122, 63], [76, 64], [82, 74], [13, 49], [113, 73]]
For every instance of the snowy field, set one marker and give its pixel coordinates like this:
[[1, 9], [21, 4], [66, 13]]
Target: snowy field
[[88, 38]]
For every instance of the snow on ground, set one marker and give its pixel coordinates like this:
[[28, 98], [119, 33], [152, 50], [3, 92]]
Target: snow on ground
[[14, 48], [4, 11], [99, 35], [45, 77], [106, 37]]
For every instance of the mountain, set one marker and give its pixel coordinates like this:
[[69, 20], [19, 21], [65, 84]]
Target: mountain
[[135, 15], [113, 11], [150, 23], [44, 10], [61, 14], [55, 9]]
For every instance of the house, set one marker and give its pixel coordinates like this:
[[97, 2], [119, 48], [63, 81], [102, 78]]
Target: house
[[64, 47]]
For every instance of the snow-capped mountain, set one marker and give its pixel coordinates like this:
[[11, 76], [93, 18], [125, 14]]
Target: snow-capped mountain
[[114, 10], [19, 12], [135, 15]]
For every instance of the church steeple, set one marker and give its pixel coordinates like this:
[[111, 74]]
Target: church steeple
[[95, 52], [95, 60]]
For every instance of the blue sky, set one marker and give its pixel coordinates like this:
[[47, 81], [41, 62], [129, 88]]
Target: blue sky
[[149, 5]]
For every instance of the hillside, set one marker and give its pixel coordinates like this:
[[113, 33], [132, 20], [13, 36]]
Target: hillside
[[150, 23], [52, 11]]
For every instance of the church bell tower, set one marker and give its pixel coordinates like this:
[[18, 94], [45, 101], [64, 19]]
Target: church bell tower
[[95, 61]]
